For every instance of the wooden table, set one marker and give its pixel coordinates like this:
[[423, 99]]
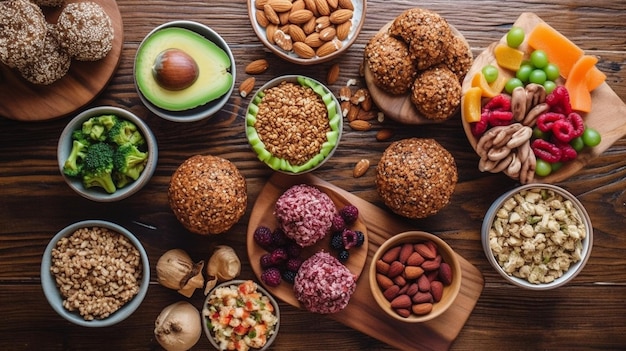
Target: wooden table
[[35, 202]]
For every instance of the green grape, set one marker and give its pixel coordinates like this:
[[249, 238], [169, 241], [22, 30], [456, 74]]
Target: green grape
[[549, 86], [515, 37], [537, 76], [543, 168], [524, 72], [591, 137], [539, 134], [512, 84], [556, 166], [491, 73], [577, 143], [552, 71], [539, 58]]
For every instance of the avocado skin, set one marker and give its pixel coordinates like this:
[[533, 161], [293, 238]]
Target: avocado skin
[[214, 78]]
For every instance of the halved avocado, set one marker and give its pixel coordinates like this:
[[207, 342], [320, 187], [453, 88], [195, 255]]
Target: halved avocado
[[214, 77]]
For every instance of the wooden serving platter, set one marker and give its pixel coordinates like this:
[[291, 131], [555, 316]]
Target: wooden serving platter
[[607, 116], [400, 108], [362, 313], [23, 101]]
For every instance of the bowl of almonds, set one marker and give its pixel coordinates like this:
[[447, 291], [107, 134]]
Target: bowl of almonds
[[307, 32], [415, 276]]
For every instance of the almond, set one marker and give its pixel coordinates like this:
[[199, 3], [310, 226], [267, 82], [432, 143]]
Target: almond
[[271, 14], [328, 33], [436, 289], [310, 5], [300, 16], [333, 4], [309, 26], [298, 5], [413, 272], [423, 283], [384, 135], [341, 16], [246, 86], [360, 125], [333, 74], [270, 31], [405, 252], [425, 251], [313, 40], [422, 297], [344, 4], [322, 7], [391, 292], [360, 168], [401, 301], [415, 259], [257, 66], [400, 281], [395, 269], [345, 108], [283, 17], [430, 265], [321, 23], [261, 19], [391, 254], [260, 3], [280, 5], [303, 50], [422, 308], [382, 267], [403, 312], [412, 289], [445, 273], [343, 30], [329, 47], [296, 32], [365, 115], [383, 281]]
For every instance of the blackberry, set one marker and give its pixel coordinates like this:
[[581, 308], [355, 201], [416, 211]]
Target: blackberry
[[289, 276], [279, 239], [349, 213], [349, 238], [338, 224], [343, 255], [263, 237], [271, 276], [360, 238], [266, 261], [293, 250], [279, 256], [293, 264], [336, 241]]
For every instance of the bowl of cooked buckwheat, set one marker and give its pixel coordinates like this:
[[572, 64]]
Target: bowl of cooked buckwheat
[[294, 124], [95, 273]]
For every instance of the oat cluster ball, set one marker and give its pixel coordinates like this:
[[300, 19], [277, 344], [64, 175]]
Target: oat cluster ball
[[42, 52], [416, 177], [207, 194], [420, 55]]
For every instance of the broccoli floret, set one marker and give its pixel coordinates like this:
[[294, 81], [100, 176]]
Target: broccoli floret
[[125, 132], [129, 161], [98, 167], [108, 121], [74, 163], [97, 127], [121, 180]]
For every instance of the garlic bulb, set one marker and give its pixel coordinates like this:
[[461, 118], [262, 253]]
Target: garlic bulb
[[224, 264], [176, 270], [178, 327]]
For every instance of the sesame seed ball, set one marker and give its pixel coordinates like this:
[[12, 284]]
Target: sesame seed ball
[[207, 194], [23, 29], [427, 33], [436, 93], [49, 3], [51, 66], [85, 31], [416, 177], [459, 58], [389, 62]]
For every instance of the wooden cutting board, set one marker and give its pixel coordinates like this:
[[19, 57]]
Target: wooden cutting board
[[362, 313], [20, 100]]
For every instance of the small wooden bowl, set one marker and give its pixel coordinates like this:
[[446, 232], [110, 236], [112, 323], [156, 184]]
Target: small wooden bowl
[[450, 292]]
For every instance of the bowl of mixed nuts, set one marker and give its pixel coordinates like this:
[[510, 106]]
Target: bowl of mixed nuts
[[537, 236], [294, 124], [95, 273], [307, 32]]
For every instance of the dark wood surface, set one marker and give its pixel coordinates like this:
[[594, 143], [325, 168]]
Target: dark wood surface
[[589, 313]]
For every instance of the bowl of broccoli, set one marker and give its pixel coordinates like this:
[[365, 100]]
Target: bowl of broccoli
[[107, 153]]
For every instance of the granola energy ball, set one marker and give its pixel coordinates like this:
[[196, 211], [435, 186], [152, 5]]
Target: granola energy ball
[[22, 32], [49, 67], [436, 93], [85, 31], [416, 177], [49, 3], [459, 58], [389, 62], [207, 194]]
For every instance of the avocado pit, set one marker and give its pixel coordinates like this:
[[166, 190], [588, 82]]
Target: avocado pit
[[174, 69]]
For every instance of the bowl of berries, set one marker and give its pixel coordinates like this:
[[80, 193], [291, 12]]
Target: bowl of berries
[[291, 222], [535, 106]]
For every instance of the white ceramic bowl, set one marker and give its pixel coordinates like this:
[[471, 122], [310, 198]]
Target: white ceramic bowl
[[97, 194], [208, 109], [209, 334], [54, 297], [358, 19], [327, 149], [573, 270]]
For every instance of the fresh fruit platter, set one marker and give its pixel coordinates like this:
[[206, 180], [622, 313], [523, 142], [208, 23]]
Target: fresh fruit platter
[[536, 107]]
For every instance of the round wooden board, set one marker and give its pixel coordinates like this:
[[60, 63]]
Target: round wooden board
[[263, 215], [398, 107], [23, 101]]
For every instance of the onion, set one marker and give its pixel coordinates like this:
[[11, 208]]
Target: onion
[[178, 327]]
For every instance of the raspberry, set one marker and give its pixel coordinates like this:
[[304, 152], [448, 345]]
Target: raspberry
[[360, 238], [279, 256], [266, 261], [293, 250], [289, 276], [500, 102], [279, 239], [336, 241], [559, 100], [546, 151], [349, 213], [271, 276], [338, 224], [263, 237], [343, 255], [293, 264], [349, 238]]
